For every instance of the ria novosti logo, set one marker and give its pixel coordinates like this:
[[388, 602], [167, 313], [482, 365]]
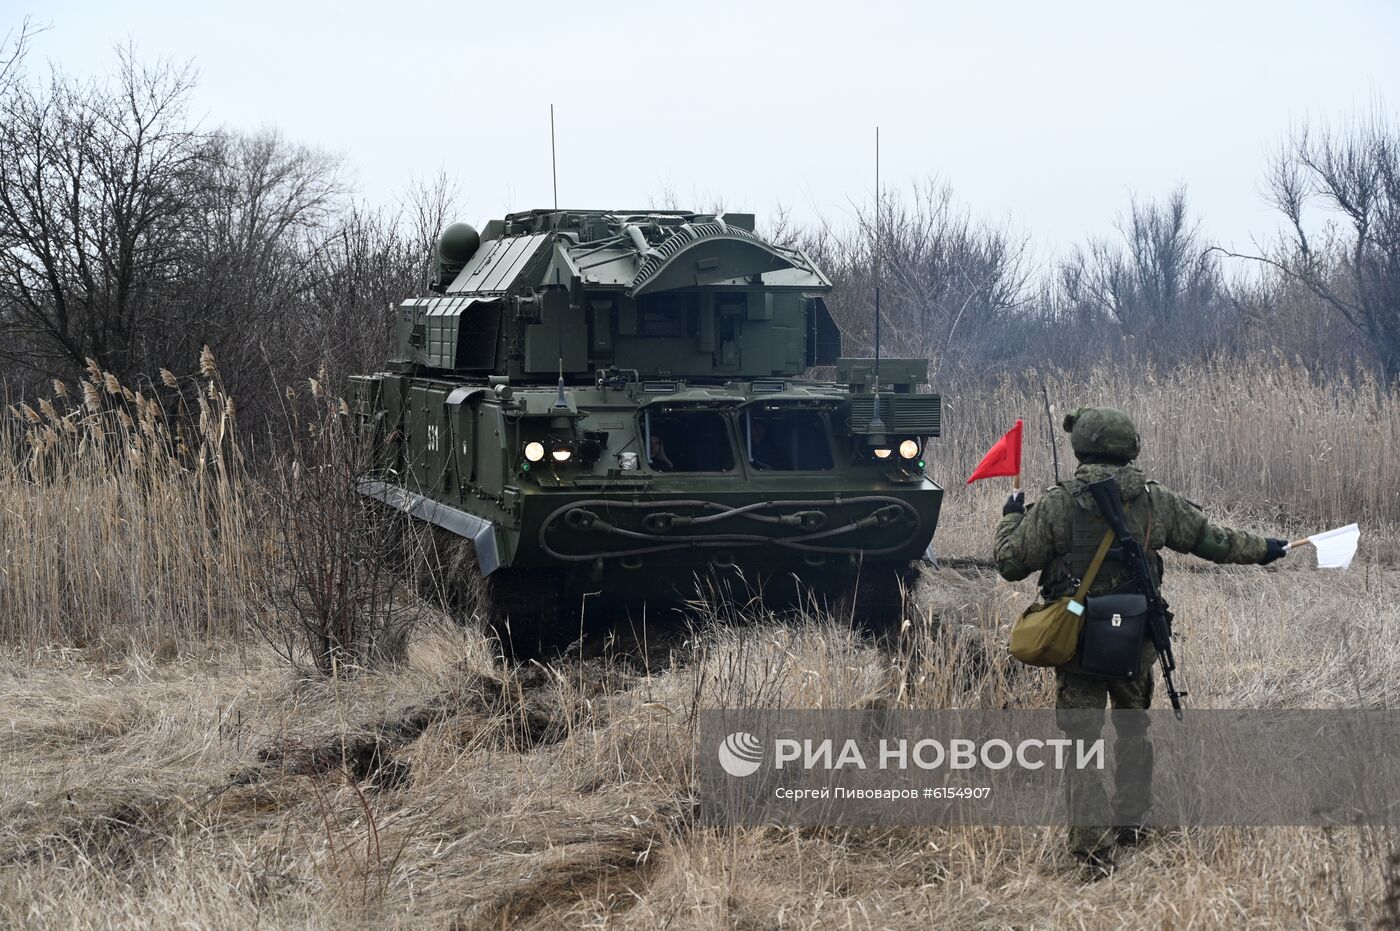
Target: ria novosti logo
[[740, 754]]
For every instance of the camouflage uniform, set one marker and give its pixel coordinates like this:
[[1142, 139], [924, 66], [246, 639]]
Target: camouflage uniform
[[1057, 537]]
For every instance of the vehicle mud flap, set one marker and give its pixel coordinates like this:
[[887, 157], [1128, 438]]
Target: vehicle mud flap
[[480, 531], [488, 558]]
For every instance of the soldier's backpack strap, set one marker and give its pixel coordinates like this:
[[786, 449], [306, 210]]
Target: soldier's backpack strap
[[1076, 605], [1060, 562]]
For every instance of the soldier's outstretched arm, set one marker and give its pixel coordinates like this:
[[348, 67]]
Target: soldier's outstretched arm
[[1028, 542], [1189, 530]]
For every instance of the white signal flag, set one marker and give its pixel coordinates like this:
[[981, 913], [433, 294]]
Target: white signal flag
[[1335, 548]]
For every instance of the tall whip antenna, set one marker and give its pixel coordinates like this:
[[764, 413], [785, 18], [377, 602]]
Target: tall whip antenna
[[877, 424], [553, 163], [877, 257], [561, 400]]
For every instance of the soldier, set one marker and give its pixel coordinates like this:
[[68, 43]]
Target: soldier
[[1057, 537], [657, 455], [763, 452]]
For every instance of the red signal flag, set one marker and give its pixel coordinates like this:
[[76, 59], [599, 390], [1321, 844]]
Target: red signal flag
[[1004, 458]]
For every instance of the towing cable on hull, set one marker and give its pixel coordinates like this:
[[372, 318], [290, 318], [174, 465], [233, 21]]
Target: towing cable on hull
[[577, 517]]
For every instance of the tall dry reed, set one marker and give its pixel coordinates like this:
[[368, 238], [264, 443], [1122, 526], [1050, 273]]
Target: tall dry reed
[[1262, 440], [126, 513]]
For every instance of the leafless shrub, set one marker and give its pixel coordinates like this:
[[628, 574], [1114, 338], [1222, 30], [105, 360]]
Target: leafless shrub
[[334, 600], [947, 280], [1157, 287]]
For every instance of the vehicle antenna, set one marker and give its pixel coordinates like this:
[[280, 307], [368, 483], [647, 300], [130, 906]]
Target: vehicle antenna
[[877, 255], [877, 425], [553, 163], [562, 400]]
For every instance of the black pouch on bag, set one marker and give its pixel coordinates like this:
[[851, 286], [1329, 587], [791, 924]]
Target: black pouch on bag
[[1110, 644]]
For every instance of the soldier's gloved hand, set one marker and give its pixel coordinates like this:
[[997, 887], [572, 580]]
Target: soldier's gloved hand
[[1277, 550], [1015, 504]]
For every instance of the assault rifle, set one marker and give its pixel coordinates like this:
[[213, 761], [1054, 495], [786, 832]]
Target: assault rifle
[[1159, 618]]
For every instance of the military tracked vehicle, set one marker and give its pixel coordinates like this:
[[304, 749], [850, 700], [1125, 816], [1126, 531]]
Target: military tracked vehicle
[[611, 407]]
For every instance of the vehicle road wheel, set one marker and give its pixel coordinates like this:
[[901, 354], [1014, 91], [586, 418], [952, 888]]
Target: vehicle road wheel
[[530, 611], [878, 602]]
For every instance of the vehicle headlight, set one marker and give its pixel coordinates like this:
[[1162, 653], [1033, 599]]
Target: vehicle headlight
[[561, 453], [909, 449], [882, 452], [534, 451]]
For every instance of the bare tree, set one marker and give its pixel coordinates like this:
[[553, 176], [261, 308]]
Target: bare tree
[[129, 236], [362, 267], [430, 205], [364, 263], [948, 281], [1157, 283], [1280, 314], [13, 48], [1351, 260], [93, 180], [260, 212]]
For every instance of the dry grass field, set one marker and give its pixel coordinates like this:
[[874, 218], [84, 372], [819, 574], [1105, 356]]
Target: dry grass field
[[160, 766]]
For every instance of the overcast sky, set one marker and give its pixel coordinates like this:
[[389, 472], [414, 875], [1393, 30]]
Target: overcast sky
[[1046, 115]]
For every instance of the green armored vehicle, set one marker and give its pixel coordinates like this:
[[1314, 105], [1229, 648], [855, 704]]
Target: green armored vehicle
[[610, 406]]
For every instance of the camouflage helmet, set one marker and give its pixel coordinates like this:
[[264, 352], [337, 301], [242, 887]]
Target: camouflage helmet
[[1102, 433]]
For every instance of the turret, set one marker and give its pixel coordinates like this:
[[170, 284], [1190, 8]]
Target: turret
[[662, 294]]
